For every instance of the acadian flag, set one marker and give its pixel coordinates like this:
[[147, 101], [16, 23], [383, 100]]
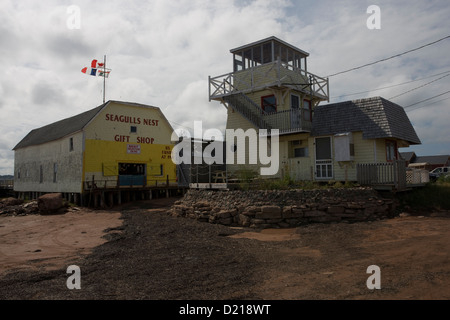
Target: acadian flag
[[96, 69]]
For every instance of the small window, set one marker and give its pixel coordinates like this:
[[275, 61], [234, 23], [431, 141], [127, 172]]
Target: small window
[[133, 129], [307, 111], [391, 150], [295, 101], [55, 171], [269, 104], [71, 144], [352, 149], [300, 152]]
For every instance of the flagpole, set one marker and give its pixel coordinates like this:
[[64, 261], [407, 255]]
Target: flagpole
[[104, 77]]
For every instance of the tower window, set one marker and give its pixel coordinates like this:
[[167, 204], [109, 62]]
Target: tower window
[[269, 104]]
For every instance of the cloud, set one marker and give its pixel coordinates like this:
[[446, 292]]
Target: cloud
[[162, 52]]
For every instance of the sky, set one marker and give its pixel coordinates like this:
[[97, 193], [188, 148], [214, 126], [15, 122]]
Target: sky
[[161, 53]]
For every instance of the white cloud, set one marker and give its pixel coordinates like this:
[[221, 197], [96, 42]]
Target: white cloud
[[162, 52]]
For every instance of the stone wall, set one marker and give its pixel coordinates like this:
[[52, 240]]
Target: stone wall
[[283, 208]]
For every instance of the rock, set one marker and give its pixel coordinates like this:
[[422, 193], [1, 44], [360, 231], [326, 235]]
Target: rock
[[51, 203], [335, 210], [269, 212], [11, 202], [314, 213], [280, 208]]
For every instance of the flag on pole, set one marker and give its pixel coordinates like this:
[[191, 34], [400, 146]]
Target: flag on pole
[[96, 69]]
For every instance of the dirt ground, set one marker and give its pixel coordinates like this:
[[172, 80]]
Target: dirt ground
[[138, 251]]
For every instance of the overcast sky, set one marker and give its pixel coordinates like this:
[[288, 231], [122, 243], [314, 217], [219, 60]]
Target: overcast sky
[[161, 53]]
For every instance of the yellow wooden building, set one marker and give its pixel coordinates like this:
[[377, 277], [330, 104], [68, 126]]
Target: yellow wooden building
[[116, 149]]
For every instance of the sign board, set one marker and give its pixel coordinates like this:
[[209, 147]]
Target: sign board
[[133, 148]]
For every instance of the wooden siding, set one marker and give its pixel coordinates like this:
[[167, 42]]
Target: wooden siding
[[29, 160]]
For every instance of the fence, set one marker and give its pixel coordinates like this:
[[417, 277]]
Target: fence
[[391, 174], [128, 181]]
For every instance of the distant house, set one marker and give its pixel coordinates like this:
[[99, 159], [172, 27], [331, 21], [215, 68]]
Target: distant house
[[409, 157], [115, 147], [271, 88], [426, 162]]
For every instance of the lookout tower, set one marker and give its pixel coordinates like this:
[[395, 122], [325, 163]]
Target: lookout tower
[[270, 88]]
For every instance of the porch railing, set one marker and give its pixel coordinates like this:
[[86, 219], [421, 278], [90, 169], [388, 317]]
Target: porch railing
[[286, 121], [394, 174], [119, 182]]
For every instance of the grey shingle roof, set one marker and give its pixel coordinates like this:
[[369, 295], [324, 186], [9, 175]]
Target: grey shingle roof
[[58, 129], [438, 160], [66, 127], [376, 117], [408, 156]]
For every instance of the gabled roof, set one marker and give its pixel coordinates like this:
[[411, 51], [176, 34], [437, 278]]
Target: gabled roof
[[268, 40], [434, 160], [376, 117], [65, 127], [408, 156]]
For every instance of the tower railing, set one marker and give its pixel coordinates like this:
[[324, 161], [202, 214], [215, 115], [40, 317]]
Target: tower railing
[[271, 74]]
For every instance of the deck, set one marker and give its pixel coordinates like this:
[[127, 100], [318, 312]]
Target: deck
[[391, 176], [104, 193]]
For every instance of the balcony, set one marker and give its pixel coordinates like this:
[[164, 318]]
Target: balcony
[[286, 121], [269, 75]]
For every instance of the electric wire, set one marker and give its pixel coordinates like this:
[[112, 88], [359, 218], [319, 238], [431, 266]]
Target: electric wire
[[426, 99], [425, 84], [391, 57], [391, 86], [429, 104]]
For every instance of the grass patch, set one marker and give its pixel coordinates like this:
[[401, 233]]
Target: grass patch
[[434, 196]]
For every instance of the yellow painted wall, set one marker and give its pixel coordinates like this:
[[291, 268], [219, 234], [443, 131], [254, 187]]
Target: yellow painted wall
[[109, 141]]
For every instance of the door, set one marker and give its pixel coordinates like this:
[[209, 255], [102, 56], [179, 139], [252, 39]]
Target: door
[[324, 161], [295, 112], [132, 174]]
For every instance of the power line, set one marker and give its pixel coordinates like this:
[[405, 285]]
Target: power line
[[385, 59], [418, 107], [391, 86], [427, 99], [425, 84]]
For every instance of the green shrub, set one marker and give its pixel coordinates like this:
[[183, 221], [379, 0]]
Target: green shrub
[[434, 196]]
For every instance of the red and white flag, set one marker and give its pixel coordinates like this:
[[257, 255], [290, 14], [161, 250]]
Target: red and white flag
[[96, 69]]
